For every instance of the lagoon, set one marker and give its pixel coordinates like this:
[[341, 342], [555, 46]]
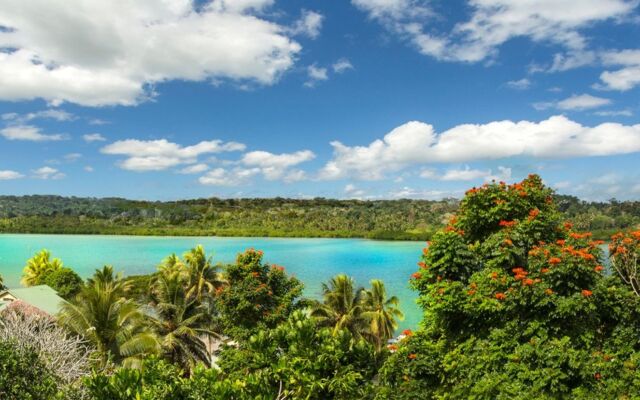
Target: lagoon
[[313, 261]]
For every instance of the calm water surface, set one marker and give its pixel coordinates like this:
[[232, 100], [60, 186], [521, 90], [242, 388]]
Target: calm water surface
[[311, 260]]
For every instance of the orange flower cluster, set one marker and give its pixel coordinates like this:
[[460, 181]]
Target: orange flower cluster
[[598, 268], [582, 253], [554, 261], [561, 242], [422, 265], [412, 356], [548, 291], [575, 235], [499, 201], [519, 273], [568, 225], [508, 242], [407, 332], [392, 348], [507, 223], [500, 296], [494, 275], [278, 267], [534, 213], [416, 275], [544, 270], [586, 293], [528, 282], [255, 274]]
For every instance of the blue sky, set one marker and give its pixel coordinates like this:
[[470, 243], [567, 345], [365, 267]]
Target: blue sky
[[341, 99]]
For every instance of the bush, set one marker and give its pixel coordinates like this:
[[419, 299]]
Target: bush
[[23, 375], [517, 305], [64, 281]]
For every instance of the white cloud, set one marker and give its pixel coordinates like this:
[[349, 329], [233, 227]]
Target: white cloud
[[223, 177], [561, 185], [48, 173], [194, 169], [274, 166], [465, 174], [113, 53], [411, 193], [520, 84], [30, 133], [416, 143], [89, 168], [495, 22], [55, 114], [71, 157], [582, 102], [309, 24], [625, 78], [93, 137], [614, 113], [429, 173], [341, 66], [574, 103], [352, 192], [157, 155], [316, 74], [7, 175]]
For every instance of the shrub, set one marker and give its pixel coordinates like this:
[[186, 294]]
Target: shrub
[[64, 281], [23, 375]]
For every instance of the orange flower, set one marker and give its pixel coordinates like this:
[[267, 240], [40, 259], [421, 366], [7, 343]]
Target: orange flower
[[508, 242], [412, 356], [494, 275], [407, 332], [422, 265], [568, 225], [527, 282], [500, 296], [597, 376], [548, 291], [554, 260], [598, 268], [586, 293], [416, 275], [507, 223], [561, 242], [544, 270], [534, 213], [392, 347], [425, 251], [471, 292], [255, 274]]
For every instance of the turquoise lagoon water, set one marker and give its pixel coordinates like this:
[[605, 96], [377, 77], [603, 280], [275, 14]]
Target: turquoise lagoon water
[[313, 261]]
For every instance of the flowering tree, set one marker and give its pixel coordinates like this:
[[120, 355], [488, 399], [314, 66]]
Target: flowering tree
[[516, 305]]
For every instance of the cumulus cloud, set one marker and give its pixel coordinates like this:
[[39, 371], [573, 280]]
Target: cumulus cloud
[[93, 137], [495, 22], [614, 113], [625, 78], [158, 155], [29, 133], [416, 143], [113, 53], [48, 173], [224, 177], [412, 193], [352, 192], [309, 24], [275, 166], [7, 175]]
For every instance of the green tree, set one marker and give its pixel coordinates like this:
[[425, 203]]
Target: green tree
[[24, 376], [382, 314], [257, 295], [114, 325], [516, 306], [181, 322], [342, 306], [64, 281], [204, 277], [38, 267], [300, 360]]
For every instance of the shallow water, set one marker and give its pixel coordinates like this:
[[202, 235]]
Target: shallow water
[[311, 260]]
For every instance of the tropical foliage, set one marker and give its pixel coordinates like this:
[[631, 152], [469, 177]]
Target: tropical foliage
[[516, 305]]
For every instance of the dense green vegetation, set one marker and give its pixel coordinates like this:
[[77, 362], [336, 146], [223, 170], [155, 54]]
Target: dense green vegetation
[[401, 219], [517, 305], [382, 219]]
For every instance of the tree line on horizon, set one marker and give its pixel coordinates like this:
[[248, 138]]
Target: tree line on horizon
[[319, 217]]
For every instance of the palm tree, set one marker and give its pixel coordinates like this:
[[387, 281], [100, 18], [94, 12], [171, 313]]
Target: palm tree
[[114, 325], [38, 266], [204, 278], [342, 306], [181, 322], [1, 282], [382, 314]]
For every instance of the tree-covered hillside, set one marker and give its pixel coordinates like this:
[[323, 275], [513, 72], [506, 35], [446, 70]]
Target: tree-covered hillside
[[319, 217]]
